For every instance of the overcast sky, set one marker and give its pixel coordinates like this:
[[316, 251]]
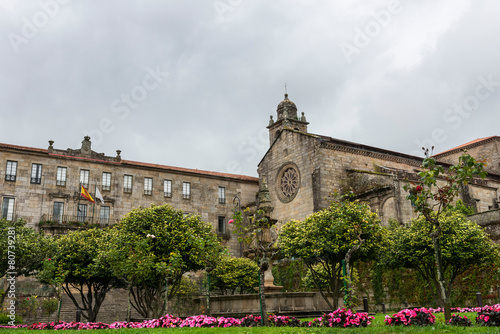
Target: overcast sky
[[193, 83]]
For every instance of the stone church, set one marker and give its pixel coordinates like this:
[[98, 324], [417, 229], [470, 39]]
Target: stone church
[[301, 171], [297, 176]]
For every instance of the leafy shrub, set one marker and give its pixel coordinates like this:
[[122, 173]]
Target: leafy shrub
[[457, 320], [289, 274], [250, 321], [235, 274], [49, 306], [406, 317], [5, 319], [28, 306]]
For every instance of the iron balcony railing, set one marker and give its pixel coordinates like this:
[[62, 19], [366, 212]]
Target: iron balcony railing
[[73, 220]]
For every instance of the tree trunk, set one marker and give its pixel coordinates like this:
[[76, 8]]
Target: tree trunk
[[445, 300], [91, 303], [348, 270], [315, 281]]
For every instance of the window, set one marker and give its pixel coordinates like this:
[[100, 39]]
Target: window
[[81, 215], [8, 208], [84, 177], [167, 188], [221, 227], [106, 181], [148, 186], [36, 173], [127, 183], [222, 195], [104, 216], [186, 190], [61, 176], [58, 211], [10, 173]]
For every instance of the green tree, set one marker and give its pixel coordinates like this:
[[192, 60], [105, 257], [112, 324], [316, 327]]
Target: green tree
[[434, 195], [464, 246], [233, 274], [22, 249], [80, 264], [154, 247], [324, 239]]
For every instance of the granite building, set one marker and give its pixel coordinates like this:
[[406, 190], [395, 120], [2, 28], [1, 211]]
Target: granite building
[[42, 186]]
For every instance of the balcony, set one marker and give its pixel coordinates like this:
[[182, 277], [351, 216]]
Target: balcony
[[62, 224]]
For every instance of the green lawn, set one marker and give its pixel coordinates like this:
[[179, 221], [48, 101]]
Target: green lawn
[[377, 326]]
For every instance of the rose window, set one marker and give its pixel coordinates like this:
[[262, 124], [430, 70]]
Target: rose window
[[288, 183]]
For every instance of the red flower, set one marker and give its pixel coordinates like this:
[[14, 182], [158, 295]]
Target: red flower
[[230, 221], [419, 188]]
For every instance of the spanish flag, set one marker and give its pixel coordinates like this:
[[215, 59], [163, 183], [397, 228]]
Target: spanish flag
[[86, 194]]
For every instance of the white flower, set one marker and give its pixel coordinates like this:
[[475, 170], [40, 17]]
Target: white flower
[[150, 236]]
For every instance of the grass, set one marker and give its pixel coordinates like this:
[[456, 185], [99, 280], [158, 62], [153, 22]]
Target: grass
[[377, 326]]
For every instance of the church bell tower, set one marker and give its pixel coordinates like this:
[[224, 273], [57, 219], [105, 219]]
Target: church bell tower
[[287, 119]]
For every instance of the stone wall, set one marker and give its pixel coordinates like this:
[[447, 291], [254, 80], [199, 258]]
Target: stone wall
[[490, 221], [301, 150], [284, 303], [488, 149]]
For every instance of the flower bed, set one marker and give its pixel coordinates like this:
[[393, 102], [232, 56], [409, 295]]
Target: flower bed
[[418, 316], [457, 320], [342, 318], [339, 318], [489, 316]]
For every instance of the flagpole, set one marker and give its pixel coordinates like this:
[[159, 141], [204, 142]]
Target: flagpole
[[78, 204], [93, 208]]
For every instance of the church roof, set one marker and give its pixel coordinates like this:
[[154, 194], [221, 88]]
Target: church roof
[[356, 148], [471, 144], [363, 147]]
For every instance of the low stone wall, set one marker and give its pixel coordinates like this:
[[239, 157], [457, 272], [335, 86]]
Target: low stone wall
[[289, 303]]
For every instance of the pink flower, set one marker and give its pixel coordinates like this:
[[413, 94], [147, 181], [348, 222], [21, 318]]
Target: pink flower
[[230, 221]]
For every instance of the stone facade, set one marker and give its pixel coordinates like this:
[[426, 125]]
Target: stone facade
[[32, 194], [326, 165]]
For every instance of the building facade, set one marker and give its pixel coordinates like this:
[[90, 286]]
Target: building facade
[[42, 186]]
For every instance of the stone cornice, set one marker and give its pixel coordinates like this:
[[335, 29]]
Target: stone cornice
[[466, 147], [413, 162]]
